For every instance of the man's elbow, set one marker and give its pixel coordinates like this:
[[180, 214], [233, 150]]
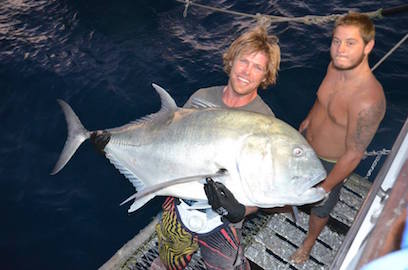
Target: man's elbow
[[354, 157]]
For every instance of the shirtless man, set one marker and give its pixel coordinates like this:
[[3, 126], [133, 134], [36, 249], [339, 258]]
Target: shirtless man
[[349, 107]]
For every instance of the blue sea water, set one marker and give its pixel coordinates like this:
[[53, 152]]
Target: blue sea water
[[101, 57]]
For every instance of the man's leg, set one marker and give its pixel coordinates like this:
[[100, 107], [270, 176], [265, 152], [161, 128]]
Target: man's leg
[[319, 216], [316, 225], [176, 243], [222, 249]]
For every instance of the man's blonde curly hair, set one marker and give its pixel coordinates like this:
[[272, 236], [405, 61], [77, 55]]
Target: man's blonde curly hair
[[256, 40]]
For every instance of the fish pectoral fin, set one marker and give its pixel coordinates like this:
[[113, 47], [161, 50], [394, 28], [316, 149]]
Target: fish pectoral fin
[[139, 203], [151, 190], [129, 199]]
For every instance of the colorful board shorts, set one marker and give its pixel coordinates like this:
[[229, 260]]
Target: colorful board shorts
[[324, 210], [220, 248]]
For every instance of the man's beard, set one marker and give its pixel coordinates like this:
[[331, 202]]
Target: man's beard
[[352, 65]]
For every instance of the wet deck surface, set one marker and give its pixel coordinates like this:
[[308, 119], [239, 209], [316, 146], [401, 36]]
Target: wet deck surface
[[269, 239]]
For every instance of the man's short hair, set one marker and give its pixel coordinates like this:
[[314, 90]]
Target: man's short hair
[[256, 40], [362, 21]]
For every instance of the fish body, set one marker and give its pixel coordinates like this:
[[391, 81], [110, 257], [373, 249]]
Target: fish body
[[261, 159]]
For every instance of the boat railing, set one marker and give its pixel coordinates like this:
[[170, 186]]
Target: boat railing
[[350, 252]]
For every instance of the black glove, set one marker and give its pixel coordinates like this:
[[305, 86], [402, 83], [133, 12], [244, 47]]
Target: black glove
[[223, 201], [100, 140]]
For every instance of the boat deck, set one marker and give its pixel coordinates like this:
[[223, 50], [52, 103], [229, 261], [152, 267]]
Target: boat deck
[[269, 239]]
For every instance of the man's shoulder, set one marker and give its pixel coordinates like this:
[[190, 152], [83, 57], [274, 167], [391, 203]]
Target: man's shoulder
[[369, 92], [260, 106], [208, 90], [211, 94], [369, 99]]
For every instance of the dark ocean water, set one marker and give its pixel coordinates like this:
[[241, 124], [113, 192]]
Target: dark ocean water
[[101, 57]]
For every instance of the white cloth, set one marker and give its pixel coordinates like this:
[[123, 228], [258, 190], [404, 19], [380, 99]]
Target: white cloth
[[198, 221]]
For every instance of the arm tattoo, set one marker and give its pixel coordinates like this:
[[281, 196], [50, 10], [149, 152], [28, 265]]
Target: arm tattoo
[[367, 123]]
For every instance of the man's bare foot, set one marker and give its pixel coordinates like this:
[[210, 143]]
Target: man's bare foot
[[157, 265], [301, 255]]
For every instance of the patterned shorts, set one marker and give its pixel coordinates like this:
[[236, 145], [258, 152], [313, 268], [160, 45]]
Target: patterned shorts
[[220, 248]]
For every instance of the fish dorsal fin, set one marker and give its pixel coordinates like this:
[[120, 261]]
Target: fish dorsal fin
[[168, 103], [198, 103], [167, 110]]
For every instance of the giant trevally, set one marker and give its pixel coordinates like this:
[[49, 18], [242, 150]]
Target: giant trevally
[[261, 159]]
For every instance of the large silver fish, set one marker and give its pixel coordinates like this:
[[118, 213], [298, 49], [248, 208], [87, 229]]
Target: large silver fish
[[262, 160]]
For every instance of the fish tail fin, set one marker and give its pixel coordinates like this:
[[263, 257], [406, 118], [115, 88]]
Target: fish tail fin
[[77, 134]]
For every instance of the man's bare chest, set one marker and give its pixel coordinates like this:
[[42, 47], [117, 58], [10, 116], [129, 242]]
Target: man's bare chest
[[335, 102]]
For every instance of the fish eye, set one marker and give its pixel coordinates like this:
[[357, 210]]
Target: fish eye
[[297, 151]]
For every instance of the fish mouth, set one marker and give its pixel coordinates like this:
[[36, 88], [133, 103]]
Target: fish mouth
[[304, 196], [311, 183], [311, 195]]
